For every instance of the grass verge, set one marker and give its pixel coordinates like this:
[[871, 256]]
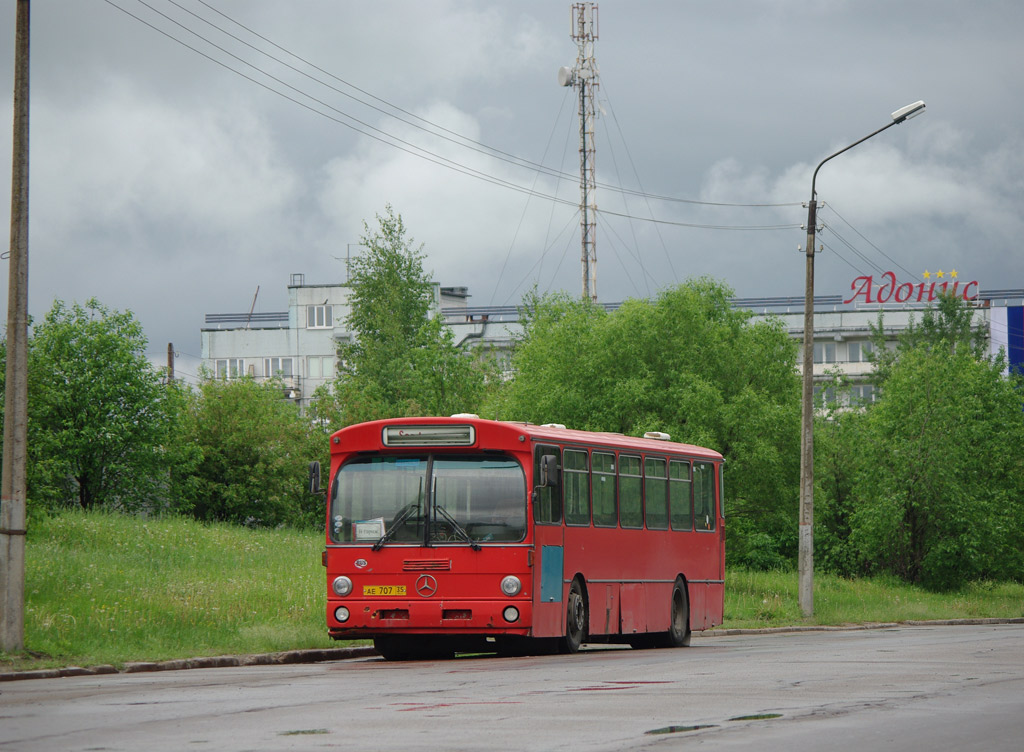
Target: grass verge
[[769, 599], [110, 589]]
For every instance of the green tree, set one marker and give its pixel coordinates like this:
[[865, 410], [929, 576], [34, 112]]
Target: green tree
[[839, 462], [253, 451], [948, 325], [402, 361], [687, 363], [937, 497], [101, 424]]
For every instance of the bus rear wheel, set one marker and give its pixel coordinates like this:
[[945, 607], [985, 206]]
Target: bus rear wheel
[[575, 619], [678, 635]]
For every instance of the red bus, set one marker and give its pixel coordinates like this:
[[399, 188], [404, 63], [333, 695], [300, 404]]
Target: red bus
[[459, 534]]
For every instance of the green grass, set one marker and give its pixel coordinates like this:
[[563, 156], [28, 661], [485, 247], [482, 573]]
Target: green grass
[[769, 599], [110, 589]]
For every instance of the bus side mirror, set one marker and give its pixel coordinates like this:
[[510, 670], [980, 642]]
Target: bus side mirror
[[548, 470], [314, 477]]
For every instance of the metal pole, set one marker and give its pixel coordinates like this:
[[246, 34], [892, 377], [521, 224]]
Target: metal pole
[[805, 561], [805, 558], [12, 493]]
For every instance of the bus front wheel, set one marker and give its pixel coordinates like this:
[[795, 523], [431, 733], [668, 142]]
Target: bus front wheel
[[575, 619], [413, 647]]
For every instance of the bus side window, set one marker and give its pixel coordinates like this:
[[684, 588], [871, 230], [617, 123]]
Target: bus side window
[[655, 493], [679, 495], [604, 488], [704, 495], [631, 510], [547, 499], [577, 487]]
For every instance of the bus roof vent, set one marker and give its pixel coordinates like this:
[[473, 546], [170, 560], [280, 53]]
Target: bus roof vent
[[553, 425], [466, 416], [658, 435]]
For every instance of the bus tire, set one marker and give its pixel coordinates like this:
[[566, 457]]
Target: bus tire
[[575, 619], [678, 635]]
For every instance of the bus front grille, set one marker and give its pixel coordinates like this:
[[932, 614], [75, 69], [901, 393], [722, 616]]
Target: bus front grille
[[427, 565]]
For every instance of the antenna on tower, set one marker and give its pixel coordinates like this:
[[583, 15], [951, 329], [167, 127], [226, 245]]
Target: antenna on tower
[[584, 77]]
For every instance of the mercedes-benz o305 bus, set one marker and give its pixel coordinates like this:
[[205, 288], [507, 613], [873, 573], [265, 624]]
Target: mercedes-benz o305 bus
[[459, 534]]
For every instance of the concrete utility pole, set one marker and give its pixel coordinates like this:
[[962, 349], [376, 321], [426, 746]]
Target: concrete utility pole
[[12, 494], [585, 78], [805, 554]]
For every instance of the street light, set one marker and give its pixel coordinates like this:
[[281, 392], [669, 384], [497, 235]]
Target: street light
[[805, 563]]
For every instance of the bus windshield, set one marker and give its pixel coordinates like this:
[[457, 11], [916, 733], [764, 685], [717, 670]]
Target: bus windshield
[[427, 499]]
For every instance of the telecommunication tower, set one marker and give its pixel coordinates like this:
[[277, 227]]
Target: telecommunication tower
[[584, 78]]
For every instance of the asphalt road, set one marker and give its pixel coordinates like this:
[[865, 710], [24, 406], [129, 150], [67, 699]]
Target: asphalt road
[[904, 688]]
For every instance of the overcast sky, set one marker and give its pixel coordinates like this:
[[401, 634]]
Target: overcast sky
[[168, 184]]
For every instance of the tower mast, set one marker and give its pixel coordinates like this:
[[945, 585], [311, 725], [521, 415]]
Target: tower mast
[[584, 78]]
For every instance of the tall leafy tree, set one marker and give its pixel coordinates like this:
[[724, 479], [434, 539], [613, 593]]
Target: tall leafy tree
[[687, 363], [102, 424], [937, 497], [253, 447], [402, 361], [949, 325]]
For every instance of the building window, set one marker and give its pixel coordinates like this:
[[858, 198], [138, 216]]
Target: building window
[[319, 317], [826, 395], [230, 368], [862, 394], [859, 352], [320, 367], [277, 367], [824, 352]]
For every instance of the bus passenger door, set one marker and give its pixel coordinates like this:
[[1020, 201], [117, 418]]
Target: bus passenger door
[[549, 610]]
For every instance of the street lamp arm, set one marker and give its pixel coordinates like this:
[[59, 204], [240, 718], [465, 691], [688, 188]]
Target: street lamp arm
[[904, 113], [814, 178]]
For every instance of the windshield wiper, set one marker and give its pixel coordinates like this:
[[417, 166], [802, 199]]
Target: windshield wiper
[[457, 528], [397, 523]]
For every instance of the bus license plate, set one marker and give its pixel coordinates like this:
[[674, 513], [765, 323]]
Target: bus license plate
[[384, 591]]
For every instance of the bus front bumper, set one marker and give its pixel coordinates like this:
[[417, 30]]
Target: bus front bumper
[[347, 617]]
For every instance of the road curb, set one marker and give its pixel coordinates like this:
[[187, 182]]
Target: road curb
[[338, 654], [855, 627], [216, 661]]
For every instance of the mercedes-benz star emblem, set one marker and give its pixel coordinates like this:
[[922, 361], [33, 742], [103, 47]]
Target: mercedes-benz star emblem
[[426, 585]]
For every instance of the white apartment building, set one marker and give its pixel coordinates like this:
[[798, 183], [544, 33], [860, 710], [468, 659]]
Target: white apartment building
[[299, 345]]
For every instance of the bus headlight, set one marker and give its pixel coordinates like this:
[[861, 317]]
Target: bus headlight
[[341, 614], [342, 585], [511, 585], [511, 614]]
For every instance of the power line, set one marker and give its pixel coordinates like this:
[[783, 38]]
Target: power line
[[396, 142], [891, 259], [412, 148], [853, 248]]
